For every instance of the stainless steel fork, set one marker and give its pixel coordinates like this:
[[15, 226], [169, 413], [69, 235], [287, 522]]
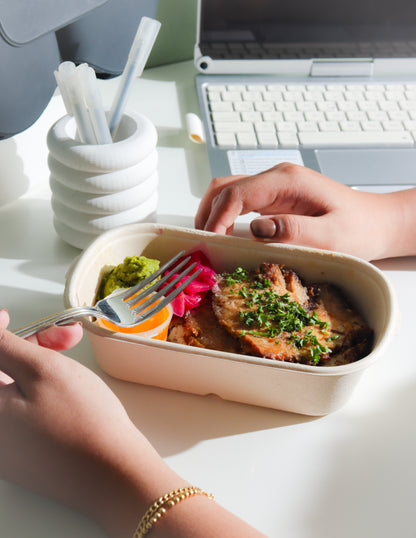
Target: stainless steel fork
[[126, 307]]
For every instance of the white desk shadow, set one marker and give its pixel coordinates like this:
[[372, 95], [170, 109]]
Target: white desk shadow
[[13, 181]]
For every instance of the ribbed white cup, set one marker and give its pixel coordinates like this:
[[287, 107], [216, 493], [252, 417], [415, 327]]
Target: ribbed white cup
[[98, 187]]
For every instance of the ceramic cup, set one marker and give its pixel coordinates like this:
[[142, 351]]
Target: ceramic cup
[[98, 187]]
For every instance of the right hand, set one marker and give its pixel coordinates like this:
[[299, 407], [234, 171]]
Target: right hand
[[300, 206]]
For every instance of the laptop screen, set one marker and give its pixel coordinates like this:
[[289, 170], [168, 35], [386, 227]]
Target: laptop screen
[[276, 29]]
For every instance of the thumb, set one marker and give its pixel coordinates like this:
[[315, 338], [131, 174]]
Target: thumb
[[294, 229]]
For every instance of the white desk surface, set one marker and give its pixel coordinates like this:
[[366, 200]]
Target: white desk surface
[[349, 474]]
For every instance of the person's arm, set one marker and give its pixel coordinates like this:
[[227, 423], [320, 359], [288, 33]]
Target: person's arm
[[303, 207], [66, 435]]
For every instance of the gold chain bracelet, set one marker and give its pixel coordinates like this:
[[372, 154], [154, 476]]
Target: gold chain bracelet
[[162, 504]]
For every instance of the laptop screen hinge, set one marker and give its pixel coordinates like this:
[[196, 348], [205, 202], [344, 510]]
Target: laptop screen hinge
[[342, 68]]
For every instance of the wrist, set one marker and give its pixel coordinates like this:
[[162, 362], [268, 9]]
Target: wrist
[[399, 216], [127, 483]]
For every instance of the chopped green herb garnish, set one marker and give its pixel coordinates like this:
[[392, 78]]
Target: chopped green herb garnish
[[269, 314]]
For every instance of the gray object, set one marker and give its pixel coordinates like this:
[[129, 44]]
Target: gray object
[[36, 36]]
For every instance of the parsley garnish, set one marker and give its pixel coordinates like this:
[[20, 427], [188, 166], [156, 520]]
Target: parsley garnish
[[270, 314]]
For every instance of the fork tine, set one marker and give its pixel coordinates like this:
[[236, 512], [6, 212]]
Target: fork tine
[[133, 290], [154, 296], [134, 297], [167, 299]]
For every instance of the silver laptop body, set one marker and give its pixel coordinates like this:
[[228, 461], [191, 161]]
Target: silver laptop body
[[328, 84]]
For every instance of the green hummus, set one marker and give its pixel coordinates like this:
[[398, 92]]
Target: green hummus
[[127, 274]]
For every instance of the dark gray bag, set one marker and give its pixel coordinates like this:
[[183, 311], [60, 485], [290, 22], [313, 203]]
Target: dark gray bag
[[35, 36]]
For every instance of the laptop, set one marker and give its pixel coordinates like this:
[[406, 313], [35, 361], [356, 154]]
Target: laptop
[[328, 84]]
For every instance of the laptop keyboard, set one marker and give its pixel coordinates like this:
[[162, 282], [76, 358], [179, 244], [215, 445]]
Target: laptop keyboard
[[299, 115]]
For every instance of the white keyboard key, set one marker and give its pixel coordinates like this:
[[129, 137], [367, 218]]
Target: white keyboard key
[[216, 88], [328, 126], [410, 125], [256, 88], [408, 105], [285, 126], [251, 116], [306, 106], [398, 115], [288, 139], [272, 96], [410, 95], [285, 106], [356, 115], [349, 126], [246, 140], [369, 125], [388, 105], [372, 95], [233, 127], [231, 96], [264, 127], [294, 87], [264, 106], [236, 88], [267, 140], [353, 95], [377, 115], [292, 96], [335, 115], [307, 126], [355, 87], [313, 96], [393, 125], [243, 106], [333, 96], [351, 139], [326, 105], [367, 105], [391, 95], [316, 87], [226, 140], [293, 115], [347, 106], [221, 106], [251, 96], [376, 87], [272, 116], [214, 96], [225, 116], [276, 87], [314, 115]]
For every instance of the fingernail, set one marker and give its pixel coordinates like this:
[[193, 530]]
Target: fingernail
[[264, 228]]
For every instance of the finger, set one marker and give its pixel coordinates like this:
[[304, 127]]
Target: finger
[[215, 187], [295, 229], [19, 358], [58, 338], [4, 319]]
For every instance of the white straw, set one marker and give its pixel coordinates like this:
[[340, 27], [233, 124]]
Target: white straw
[[69, 78], [138, 56], [64, 93], [89, 88]]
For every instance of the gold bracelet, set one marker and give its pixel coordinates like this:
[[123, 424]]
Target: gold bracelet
[[162, 504]]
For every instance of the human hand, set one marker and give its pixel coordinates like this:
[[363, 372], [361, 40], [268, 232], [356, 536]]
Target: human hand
[[303, 207], [65, 434]]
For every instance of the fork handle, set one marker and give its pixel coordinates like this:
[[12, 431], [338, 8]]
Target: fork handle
[[60, 318]]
